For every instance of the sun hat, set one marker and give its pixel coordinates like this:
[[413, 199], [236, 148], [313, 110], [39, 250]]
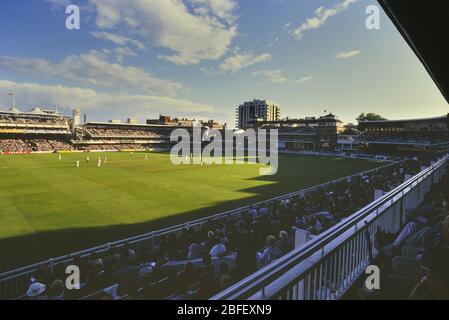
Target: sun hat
[[36, 289]]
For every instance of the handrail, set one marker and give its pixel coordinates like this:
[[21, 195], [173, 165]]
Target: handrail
[[13, 273], [260, 279]]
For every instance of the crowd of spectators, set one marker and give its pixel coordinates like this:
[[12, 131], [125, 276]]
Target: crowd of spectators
[[421, 137], [35, 145], [14, 146], [41, 145], [98, 147], [200, 263], [61, 145], [113, 147], [47, 145], [136, 147], [122, 133], [53, 131], [415, 262], [33, 120]]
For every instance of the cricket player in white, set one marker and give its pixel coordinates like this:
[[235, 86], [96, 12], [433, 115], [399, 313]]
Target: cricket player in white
[[60, 157], [105, 160], [99, 162], [87, 159], [146, 156], [77, 163]]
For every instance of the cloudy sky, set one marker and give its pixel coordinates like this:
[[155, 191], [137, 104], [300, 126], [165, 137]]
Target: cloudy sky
[[202, 58]]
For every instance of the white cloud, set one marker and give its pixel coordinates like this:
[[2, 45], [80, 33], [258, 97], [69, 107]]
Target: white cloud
[[122, 52], [304, 79], [193, 30], [221, 8], [347, 54], [93, 69], [211, 71], [118, 39], [33, 94], [243, 60], [320, 18], [273, 76], [277, 76]]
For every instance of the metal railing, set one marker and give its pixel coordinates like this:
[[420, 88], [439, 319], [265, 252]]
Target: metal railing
[[326, 267], [14, 283]]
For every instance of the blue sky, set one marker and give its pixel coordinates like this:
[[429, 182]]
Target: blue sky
[[202, 58]]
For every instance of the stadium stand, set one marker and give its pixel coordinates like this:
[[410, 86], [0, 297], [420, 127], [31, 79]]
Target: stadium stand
[[415, 261], [200, 263], [14, 146], [38, 145], [103, 136], [17, 119], [427, 138], [33, 131], [122, 133], [428, 133]]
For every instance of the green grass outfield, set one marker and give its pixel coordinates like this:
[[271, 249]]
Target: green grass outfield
[[48, 207]]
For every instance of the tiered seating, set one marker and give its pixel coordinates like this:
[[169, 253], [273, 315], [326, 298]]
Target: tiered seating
[[121, 133], [36, 145], [14, 146], [415, 262], [419, 137], [55, 121]]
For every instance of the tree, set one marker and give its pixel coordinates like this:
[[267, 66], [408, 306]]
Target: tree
[[370, 116]]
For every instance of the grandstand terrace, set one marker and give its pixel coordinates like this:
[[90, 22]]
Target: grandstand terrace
[[47, 131], [125, 136], [412, 135], [34, 131]]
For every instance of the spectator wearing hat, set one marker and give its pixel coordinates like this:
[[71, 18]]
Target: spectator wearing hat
[[196, 249], [218, 250], [36, 291]]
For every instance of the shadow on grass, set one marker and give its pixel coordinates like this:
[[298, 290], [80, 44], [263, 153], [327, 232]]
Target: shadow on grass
[[27, 249]]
